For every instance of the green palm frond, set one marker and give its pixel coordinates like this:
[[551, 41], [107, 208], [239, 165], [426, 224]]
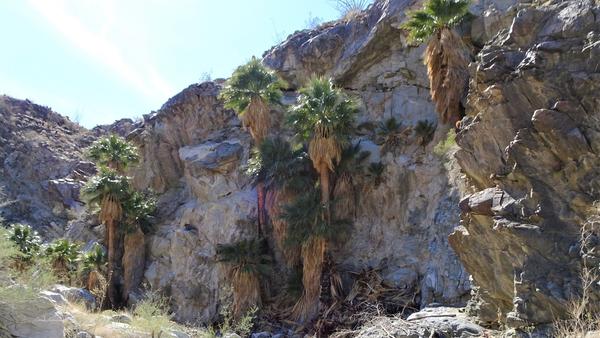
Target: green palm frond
[[63, 250], [95, 259], [425, 130], [435, 15], [106, 182], [114, 152], [248, 255], [353, 161], [251, 80], [276, 163], [139, 209], [305, 217], [375, 173], [321, 106]]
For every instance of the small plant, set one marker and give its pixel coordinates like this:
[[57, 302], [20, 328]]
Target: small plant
[[27, 241], [390, 135], [93, 263], [424, 131], [63, 256], [375, 173], [349, 9], [152, 314], [443, 148]]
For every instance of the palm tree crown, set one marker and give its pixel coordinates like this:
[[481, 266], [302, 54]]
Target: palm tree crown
[[249, 91], [324, 116], [113, 152], [436, 15], [446, 56]]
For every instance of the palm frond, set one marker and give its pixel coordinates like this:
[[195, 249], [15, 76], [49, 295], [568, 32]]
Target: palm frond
[[26, 239], [113, 152], [425, 130], [106, 182], [249, 256], [95, 259], [276, 163], [435, 15], [251, 80], [139, 209]]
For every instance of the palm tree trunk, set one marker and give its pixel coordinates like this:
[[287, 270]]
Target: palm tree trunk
[[313, 256], [260, 192], [110, 244], [324, 173]]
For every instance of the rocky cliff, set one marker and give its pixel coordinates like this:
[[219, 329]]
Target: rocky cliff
[[529, 146], [504, 208], [193, 150]]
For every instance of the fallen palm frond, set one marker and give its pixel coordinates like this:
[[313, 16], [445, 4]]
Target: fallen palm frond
[[370, 296], [256, 118]]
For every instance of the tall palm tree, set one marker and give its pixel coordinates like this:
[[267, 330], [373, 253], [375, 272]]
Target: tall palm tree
[[108, 190], [113, 152], [323, 117], [250, 91], [446, 56]]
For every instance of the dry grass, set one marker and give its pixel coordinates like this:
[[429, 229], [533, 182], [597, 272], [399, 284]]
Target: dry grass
[[447, 61], [584, 312]]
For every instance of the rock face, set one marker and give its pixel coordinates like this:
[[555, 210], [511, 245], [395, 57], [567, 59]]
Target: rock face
[[193, 149], [41, 165], [530, 147]]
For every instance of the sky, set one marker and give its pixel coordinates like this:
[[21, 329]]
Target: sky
[[97, 61]]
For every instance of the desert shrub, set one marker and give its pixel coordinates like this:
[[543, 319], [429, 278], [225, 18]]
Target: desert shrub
[[349, 9], [27, 241], [152, 315]]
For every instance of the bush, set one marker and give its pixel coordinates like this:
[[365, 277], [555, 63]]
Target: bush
[[349, 9], [27, 240]]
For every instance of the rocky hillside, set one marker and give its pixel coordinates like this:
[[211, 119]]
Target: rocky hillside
[[495, 220], [41, 165]]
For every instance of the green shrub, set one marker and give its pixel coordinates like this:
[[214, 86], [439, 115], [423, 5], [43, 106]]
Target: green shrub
[[64, 257], [27, 240]]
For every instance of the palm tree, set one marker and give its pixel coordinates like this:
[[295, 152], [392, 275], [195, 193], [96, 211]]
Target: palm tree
[[285, 172], [309, 229], [63, 255], [93, 263], [108, 190], [446, 56], [324, 116], [248, 262], [113, 152], [250, 91]]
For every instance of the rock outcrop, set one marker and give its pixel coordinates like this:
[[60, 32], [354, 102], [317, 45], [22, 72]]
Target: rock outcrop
[[41, 165], [530, 146], [193, 149]]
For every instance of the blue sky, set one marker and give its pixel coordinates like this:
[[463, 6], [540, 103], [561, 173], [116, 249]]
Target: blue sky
[[100, 60]]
